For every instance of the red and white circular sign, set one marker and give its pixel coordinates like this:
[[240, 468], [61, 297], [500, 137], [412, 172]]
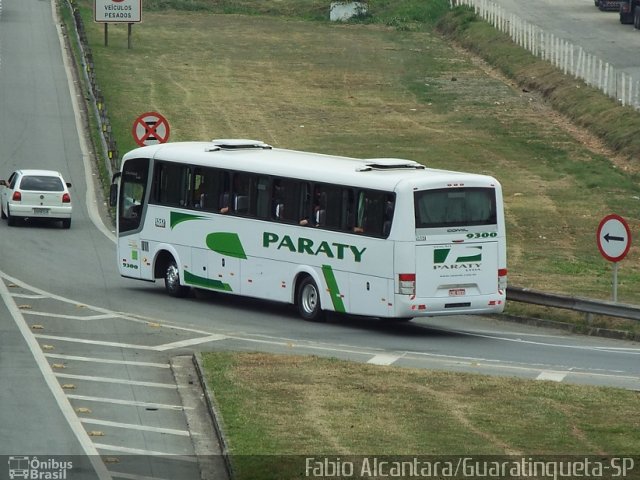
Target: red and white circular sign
[[614, 238], [150, 128]]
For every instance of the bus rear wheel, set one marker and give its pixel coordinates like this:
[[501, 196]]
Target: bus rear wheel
[[172, 280], [308, 301]]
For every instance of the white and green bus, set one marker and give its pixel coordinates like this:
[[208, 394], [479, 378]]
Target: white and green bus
[[380, 237]]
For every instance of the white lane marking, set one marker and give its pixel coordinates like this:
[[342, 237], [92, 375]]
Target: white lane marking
[[63, 403], [122, 315], [384, 359], [120, 381], [99, 316], [133, 476], [107, 361], [625, 350], [29, 296], [156, 348], [94, 342], [130, 403], [139, 451], [134, 426], [552, 376], [189, 342]]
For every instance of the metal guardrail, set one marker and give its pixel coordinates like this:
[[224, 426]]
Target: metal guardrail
[[588, 306]]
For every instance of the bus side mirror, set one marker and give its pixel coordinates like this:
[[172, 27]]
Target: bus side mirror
[[113, 195]]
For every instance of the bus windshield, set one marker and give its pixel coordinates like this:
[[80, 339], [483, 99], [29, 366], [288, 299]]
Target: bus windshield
[[455, 207]]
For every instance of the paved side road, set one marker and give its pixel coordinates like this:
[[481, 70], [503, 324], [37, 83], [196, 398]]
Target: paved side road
[[202, 418]]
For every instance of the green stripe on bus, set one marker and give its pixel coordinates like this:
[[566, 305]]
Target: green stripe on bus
[[195, 280], [470, 258], [440, 255], [334, 291], [176, 217], [226, 243]]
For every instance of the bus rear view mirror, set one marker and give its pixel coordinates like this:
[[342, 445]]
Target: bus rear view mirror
[[113, 195]]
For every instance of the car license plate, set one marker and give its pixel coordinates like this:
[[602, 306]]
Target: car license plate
[[457, 292], [41, 210]]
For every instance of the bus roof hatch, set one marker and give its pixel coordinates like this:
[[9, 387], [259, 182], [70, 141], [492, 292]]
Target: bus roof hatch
[[389, 164], [237, 144]]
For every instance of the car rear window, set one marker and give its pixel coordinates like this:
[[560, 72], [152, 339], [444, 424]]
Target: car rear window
[[41, 183]]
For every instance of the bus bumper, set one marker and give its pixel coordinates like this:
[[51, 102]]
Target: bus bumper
[[412, 306]]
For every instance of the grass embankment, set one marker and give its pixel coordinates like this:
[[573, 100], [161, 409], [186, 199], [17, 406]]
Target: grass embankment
[[277, 410]]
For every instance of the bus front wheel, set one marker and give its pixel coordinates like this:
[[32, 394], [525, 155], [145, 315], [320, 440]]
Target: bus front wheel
[[172, 280], [308, 301]]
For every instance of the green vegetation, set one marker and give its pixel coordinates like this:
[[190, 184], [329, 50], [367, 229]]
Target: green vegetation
[[273, 406], [389, 85]]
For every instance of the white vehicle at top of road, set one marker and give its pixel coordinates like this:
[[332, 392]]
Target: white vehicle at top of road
[[35, 194]]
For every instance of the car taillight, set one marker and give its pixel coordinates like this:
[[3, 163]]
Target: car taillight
[[407, 283], [17, 196], [502, 278], [66, 198]]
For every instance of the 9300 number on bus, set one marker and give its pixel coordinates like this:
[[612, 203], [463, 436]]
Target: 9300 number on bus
[[482, 235]]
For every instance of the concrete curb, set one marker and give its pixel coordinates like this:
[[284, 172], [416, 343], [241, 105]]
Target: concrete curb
[[215, 415]]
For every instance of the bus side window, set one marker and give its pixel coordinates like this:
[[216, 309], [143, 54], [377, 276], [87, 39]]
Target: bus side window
[[241, 190], [372, 213], [306, 205], [277, 200], [287, 199], [320, 208], [389, 208], [224, 202], [330, 211], [199, 195], [172, 184], [261, 209]]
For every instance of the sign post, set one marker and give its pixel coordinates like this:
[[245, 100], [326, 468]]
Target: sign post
[[117, 11], [614, 241]]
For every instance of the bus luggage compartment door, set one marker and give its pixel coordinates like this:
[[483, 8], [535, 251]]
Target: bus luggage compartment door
[[456, 270]]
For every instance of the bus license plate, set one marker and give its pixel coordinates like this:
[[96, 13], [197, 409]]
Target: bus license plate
[[457, 292], [41, 210]]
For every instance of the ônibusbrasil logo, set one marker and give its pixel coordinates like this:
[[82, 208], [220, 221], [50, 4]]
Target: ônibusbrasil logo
[[33, 468], [457, 258]]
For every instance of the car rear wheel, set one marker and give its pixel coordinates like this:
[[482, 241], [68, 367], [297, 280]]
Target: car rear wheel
[[11, 221], [66, 223]]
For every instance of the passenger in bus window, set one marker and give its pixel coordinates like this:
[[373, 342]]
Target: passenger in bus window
[[199, 192], [318, 213], [389, 207], [226, 202], [238, 200], [277, 202], [360, 213]]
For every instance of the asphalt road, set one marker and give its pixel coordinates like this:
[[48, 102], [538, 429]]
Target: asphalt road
[[88, 359], [582, 23]]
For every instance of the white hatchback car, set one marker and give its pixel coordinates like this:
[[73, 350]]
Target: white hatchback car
[[35, 194]]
